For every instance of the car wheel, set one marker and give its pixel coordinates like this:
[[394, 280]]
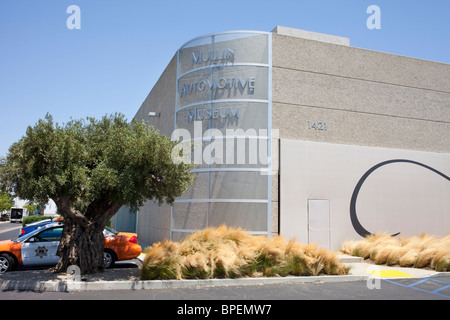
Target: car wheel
[[6, 263], [109, 258]]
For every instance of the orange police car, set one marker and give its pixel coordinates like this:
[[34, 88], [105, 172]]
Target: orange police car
[[38, 248]]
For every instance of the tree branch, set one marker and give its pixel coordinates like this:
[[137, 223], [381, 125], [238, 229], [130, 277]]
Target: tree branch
[[68, 212]]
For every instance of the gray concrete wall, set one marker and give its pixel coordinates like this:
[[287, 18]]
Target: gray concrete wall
[[161, 99], [153, 220], [366, 98], [376, 106]]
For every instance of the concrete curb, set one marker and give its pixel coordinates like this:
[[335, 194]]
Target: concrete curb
[[68, 286], [357, 273]]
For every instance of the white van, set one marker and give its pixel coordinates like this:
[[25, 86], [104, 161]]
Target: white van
[[17, 214]]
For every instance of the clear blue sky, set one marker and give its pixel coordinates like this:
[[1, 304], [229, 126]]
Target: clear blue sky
[[113, 61]]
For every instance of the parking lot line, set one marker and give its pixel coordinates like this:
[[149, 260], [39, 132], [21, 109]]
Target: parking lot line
[[10, 229], [414, 286]]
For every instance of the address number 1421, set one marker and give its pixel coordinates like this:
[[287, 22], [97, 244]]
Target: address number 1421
[[317, 125]]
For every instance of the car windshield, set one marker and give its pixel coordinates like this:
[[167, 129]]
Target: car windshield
[[106, 232], [110, 231], [31, 234]]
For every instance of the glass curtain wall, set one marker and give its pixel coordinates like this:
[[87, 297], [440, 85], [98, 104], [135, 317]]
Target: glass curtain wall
[[223, 106]]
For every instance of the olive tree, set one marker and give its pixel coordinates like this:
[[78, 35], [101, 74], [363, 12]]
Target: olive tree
[[90, 168]]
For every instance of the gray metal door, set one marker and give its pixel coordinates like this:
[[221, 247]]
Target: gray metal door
[[319, 222]]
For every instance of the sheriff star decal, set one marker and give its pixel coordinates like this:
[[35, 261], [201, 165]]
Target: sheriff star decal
[[41, 252]]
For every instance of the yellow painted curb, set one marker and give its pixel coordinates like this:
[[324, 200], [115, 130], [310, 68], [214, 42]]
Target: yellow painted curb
[[390, 274]]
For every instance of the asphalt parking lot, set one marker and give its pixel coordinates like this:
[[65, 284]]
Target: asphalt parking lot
[[409, 289], [404, 285]]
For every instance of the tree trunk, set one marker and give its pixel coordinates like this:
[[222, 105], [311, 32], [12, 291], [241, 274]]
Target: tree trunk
[[82, 247], [82, 240]]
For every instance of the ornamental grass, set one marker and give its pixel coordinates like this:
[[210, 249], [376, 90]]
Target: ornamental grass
[[424, 251], [227, 252]]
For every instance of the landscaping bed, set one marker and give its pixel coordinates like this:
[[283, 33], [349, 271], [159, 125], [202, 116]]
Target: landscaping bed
[[227, 252], [424, 251]]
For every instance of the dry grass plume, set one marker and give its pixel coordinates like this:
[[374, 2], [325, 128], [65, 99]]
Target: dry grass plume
[[227, 252], [424, 251]]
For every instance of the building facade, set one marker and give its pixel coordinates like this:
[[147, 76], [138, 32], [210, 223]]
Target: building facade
[[300, 134]]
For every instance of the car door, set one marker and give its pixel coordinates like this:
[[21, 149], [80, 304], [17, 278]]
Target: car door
[[41, 248]]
